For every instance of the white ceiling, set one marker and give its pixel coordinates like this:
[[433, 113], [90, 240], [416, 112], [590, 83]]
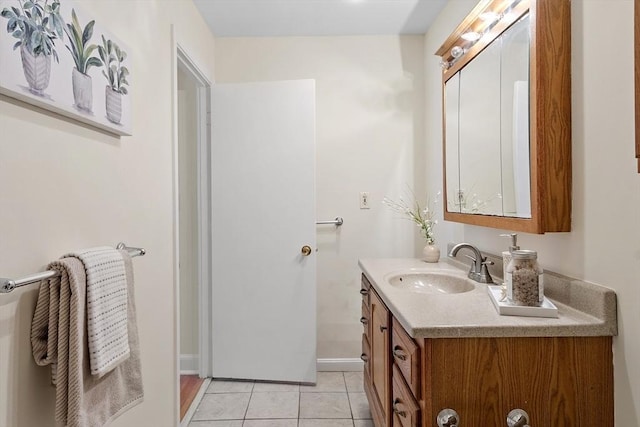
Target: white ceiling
[[264, 18]]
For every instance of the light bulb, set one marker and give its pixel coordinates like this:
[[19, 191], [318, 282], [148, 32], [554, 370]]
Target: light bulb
[[457, 52], [471, 36]]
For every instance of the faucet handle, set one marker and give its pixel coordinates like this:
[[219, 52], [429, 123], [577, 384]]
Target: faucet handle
[[484, 275]]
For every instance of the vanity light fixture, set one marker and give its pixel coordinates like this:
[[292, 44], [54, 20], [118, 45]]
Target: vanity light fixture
[[490, 17], [471, 36], [457, 52]]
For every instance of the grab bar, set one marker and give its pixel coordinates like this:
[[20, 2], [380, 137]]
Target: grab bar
[[337, 222], [7, 285]]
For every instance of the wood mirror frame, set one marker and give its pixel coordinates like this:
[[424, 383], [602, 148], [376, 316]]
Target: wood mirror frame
[[549, 111]]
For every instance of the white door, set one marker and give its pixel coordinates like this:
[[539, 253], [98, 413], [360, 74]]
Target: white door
[[263, 213]]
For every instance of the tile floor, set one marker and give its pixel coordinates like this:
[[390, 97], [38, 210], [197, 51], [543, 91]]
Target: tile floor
[[337, 400]]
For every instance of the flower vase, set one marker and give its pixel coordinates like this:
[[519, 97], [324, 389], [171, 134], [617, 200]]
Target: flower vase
[[113, 105], [37, 70], [82, 90], [431, 253]]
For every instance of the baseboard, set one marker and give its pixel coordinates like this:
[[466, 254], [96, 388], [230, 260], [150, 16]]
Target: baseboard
[[349, 365], [189, 364]]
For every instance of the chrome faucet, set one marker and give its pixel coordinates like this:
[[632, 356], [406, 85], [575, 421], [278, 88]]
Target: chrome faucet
[[478, 271]]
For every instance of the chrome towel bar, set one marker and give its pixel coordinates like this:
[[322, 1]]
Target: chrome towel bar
[[337, 222], [7, 285]]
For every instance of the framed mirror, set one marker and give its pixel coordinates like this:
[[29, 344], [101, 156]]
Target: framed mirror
[[507, 116]]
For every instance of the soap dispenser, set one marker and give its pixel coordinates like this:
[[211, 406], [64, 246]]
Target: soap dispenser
[[506, 255]]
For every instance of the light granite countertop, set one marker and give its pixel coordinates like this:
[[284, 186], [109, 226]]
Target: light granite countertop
[[584, 309]]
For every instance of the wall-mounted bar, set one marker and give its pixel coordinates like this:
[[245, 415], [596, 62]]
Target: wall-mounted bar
[[337, 222], [7, 285]]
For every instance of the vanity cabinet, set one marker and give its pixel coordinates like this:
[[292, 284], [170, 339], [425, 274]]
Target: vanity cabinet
[[558, 381], [376, 341]]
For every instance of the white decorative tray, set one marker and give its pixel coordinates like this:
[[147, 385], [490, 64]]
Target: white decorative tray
[[505, 308]]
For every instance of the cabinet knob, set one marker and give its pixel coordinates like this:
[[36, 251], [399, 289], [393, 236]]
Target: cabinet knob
[[397, 352], [364, 357], [364, 320], [383, 328], [364, 292], [396, 403], [448, 418], [518, 418]]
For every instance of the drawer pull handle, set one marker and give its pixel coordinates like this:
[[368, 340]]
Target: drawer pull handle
[[383, 328], [364, 292], [403, 414], [364, 357], [364, 320], [397, 352]]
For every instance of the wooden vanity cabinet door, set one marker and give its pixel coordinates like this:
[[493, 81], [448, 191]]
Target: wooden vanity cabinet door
[[380, 361], [559, 381]]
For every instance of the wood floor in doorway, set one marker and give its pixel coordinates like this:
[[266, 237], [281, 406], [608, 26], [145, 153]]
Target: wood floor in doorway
[[189, 386]]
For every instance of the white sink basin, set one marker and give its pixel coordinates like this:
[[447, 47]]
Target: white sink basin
[[431, 282]]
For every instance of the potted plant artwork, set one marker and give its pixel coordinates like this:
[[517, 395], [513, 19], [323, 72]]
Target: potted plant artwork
[[36, 24], [81, 52], [116, 74]]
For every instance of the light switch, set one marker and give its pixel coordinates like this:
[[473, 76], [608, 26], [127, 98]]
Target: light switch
[[365, 203]]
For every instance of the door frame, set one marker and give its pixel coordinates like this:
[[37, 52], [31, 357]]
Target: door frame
[[181, 58]]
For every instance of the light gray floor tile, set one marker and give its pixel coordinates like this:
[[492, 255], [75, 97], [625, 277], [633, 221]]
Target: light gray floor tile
[[354, 381], [363, 423], [222, 406], [219, 386], [326, 382], [324, 405], [274, 404], [260, 387], [271, 423], [359, 406], [325, 423], [234, 423]]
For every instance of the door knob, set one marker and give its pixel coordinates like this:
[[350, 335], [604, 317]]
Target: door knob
[[518, 418], [306, 250], [448, 418]]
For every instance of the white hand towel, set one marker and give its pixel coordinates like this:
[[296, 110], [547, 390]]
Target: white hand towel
[[106, 307]]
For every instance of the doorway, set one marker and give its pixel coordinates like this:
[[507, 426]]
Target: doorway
[[191, 210]]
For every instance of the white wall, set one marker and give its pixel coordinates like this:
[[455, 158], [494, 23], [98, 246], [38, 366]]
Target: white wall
[[65, 186], [604, 246], [369, 93]]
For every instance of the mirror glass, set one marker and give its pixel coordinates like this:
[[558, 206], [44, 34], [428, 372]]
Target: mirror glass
[[487, 129]]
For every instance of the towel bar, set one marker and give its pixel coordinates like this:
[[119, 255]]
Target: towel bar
[[7, 285], [337, 222]]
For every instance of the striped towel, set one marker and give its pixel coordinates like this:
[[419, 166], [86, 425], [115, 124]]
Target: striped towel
[[106, 307]]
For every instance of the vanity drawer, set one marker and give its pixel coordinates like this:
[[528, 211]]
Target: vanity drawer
[[366, 354], [406, 355], [365, 289], [365, 317], [406, 411]]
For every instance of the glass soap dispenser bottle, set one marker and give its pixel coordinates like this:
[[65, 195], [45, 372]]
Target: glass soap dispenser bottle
[[506, 255], [525, 284]]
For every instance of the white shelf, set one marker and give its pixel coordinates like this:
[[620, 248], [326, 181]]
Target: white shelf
[[505, 308]]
